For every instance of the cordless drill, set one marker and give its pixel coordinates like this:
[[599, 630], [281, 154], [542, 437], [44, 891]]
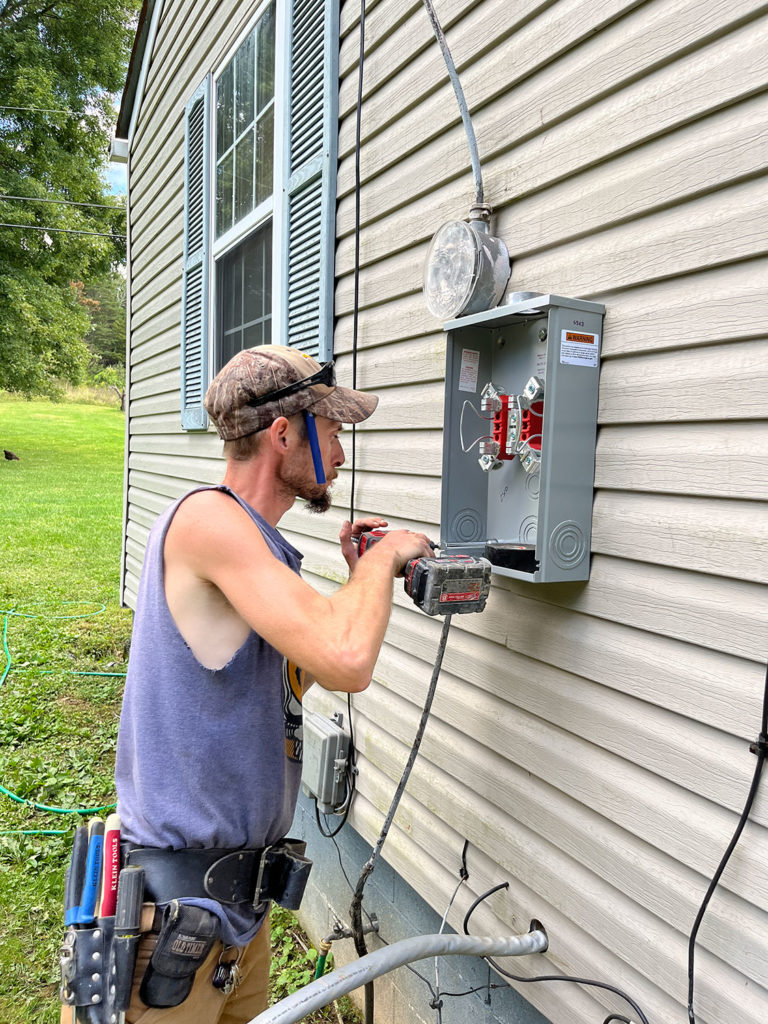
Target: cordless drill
[[444, 584]]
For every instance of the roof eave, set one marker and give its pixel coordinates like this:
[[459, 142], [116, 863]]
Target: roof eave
[[128, 102]]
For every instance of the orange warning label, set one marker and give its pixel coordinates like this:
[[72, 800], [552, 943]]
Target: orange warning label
[[581, 339], [579, 348]]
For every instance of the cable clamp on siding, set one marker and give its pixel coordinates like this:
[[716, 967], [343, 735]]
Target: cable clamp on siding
[[760, 746]]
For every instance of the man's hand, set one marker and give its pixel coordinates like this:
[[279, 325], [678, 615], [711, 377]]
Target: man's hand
[[354, 530], [404, 545]]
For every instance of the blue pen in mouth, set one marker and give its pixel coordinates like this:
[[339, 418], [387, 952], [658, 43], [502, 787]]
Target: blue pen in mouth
[[314, 447]]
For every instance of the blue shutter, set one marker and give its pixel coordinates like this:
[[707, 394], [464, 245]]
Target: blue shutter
[[310, 193], [195, 300]]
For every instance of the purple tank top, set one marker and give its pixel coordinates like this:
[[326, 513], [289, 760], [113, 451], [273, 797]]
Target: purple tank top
[[207, 757]]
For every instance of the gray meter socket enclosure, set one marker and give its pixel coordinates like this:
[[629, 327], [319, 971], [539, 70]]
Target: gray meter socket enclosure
[[534, 525]]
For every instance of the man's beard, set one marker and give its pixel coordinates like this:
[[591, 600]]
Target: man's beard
[[302, 484], [320, 503]]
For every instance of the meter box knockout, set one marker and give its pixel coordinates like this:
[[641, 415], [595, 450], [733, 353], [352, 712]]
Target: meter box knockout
[[521, 393]]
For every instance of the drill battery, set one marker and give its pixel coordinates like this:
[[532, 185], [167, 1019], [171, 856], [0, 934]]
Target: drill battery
[[444, 584], [448, 584]]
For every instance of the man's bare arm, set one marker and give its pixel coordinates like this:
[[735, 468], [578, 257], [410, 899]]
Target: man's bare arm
[[336, 639]]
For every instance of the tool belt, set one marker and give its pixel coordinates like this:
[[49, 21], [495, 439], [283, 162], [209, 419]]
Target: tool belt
[[98, 960], [278, 873]]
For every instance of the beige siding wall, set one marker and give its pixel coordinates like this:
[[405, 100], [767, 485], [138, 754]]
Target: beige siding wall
[[192, 39], [590, 741]]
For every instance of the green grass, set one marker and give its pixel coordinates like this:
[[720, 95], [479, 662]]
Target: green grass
[[60, 536], [60, 531]]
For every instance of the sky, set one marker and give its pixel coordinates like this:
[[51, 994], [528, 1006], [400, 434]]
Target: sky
[[116, 179]]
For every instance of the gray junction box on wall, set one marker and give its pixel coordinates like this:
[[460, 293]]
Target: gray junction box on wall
[[534, 368], [326, 745]]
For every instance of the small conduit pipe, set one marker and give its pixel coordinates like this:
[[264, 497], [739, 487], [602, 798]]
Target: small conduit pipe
[[360, 972]]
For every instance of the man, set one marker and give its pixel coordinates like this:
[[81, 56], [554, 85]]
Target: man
[[226, 637]]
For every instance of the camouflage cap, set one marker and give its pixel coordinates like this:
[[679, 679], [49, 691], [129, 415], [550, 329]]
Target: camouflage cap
[[235, 399]]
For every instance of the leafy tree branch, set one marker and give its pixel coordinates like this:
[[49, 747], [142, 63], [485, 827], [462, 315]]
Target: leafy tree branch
[[67, 61]]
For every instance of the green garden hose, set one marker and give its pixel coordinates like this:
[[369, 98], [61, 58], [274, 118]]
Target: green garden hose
[[13, 613], [323, 949]]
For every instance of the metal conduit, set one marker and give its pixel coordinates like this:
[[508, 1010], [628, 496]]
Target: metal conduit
[[338, 983]]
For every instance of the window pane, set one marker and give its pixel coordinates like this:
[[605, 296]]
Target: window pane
[[244, 296], [244, 95], [224, 219], [224, 113], [244, 176], [257, 291], [264, 153], [256, 334], [265, 61], [244, 151]]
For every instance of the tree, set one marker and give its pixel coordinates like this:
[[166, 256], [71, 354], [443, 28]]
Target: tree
[[105, 300], [66, 60]]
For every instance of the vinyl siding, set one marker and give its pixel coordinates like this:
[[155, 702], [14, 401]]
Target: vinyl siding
[[590, 741]]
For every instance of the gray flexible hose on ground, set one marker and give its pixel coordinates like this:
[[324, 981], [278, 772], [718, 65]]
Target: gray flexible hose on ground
[[338, 983]]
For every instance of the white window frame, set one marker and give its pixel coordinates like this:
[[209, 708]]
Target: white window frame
[[268, 209], [303, 195]]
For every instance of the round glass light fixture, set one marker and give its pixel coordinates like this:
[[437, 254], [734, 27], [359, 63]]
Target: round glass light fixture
[[466, 270]]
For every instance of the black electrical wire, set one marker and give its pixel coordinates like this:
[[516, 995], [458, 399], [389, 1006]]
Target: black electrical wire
[[551, 977], [64, 231], [351, 769], [463, 109], [356, 296], [62, 202], [760, 747], [328, 833], [469, 991], [355, 321], [355, 910]]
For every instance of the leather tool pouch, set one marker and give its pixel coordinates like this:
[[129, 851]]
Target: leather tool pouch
[[186, 937], [84, 962], [289, 873], [278, 873]]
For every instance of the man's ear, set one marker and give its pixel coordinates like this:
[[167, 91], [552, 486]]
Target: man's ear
[[280, 434]]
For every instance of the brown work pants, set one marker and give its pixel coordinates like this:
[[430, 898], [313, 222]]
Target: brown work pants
[[206, 1004]]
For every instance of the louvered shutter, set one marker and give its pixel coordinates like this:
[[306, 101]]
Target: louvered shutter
[[195, 311], [310, 192]]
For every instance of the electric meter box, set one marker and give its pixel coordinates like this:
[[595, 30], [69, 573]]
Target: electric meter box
[[521, 392], [326, 745]]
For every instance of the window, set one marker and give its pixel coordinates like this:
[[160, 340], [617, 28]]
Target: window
[[244, 296], [245, 114], [260, 170], [245, 118]]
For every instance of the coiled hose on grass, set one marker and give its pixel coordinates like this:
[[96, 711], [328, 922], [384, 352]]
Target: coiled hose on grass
[[8, 614]]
